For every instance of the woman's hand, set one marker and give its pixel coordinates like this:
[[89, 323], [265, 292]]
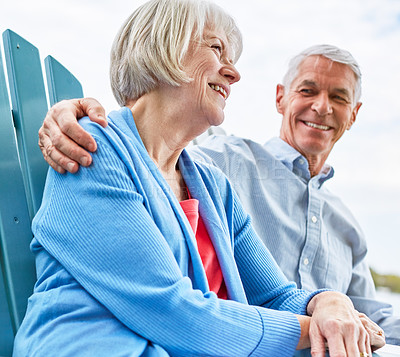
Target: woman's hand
[[376, 334], [62, 140], [336, 324]]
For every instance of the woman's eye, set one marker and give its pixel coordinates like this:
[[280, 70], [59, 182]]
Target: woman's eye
[[218, 48]]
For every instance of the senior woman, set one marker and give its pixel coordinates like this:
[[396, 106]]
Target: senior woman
[[147, 253]]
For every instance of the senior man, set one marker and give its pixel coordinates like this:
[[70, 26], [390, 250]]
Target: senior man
[[310, 232]]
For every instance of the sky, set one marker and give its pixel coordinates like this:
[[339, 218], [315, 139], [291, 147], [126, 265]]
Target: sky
[[79, 34]]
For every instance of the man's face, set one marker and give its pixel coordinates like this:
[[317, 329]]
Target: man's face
[[318, 107]]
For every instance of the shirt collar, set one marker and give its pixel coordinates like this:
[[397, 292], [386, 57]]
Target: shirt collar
[[296, 162]]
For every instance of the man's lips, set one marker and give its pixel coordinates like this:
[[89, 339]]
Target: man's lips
[[317, 126]]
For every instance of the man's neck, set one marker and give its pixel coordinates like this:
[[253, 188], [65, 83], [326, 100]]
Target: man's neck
[[315, 161], [315, 164]]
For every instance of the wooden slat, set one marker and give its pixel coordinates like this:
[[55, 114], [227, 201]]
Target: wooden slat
[[29, 107], [17, 262]]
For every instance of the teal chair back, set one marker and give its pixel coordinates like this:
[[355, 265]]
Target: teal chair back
[[62, 84], [17, 263], [22, 169]]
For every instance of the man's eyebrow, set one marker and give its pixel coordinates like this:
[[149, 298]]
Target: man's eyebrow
[[307, 82], [343, 91]]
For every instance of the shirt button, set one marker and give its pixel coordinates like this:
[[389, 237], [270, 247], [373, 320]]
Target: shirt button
[[314, 219], [301, 161], [305, 261]]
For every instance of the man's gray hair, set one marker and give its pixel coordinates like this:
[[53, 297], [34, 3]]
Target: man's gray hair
[[333, 53], [150, 46]]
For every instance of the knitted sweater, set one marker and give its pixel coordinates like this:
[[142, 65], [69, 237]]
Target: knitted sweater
[[119, 273]]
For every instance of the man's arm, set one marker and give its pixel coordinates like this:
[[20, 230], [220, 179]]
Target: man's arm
[[362, 293], [63, 142]]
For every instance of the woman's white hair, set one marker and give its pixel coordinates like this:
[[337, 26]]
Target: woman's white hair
[[333, 53], [150, 46]]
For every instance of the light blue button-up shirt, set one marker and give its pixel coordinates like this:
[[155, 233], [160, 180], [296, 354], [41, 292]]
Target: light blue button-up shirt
[[312, 235]]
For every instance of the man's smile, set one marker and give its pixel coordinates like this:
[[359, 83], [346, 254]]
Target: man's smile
[[317, 126]]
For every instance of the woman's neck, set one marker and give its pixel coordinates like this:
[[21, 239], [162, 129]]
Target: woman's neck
[[165, 133], [157, 129]]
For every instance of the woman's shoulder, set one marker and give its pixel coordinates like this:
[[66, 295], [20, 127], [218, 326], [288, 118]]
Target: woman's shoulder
[[119, 136], [118, 120]]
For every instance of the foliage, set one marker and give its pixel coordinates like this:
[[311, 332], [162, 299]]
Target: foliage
[[392, 282]]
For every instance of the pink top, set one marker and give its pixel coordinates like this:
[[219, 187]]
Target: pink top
[[206, 249]]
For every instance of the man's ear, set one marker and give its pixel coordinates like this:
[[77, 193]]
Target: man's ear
[[354, 115], [280, 92]]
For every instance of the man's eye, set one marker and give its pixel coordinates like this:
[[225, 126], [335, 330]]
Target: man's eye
[[341, 99], [306, 91]]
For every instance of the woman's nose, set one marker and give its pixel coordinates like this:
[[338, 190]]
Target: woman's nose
[[229, 71]]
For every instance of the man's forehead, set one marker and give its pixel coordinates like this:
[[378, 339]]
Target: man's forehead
[[319, 70]]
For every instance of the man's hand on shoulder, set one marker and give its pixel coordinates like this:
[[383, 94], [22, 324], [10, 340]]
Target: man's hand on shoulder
[[64, 143]]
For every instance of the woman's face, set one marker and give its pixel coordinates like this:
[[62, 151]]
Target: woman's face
[[210, 65]]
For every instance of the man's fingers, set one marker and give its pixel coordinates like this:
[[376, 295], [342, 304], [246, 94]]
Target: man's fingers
[[376, 338], [66, 153], [368, 323], [56, 167], [64, 143], [377, 341], [376, 334], [58, 160], [75, 133], [53, 164], [61, 121], [94, 110]]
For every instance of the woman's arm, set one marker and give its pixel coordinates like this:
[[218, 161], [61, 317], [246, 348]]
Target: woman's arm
[[96, 224]]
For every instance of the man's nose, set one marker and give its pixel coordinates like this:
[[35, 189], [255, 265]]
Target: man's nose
[[322, 104]]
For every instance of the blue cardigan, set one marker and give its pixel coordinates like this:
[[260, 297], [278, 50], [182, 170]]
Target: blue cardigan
[[119, 273]]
